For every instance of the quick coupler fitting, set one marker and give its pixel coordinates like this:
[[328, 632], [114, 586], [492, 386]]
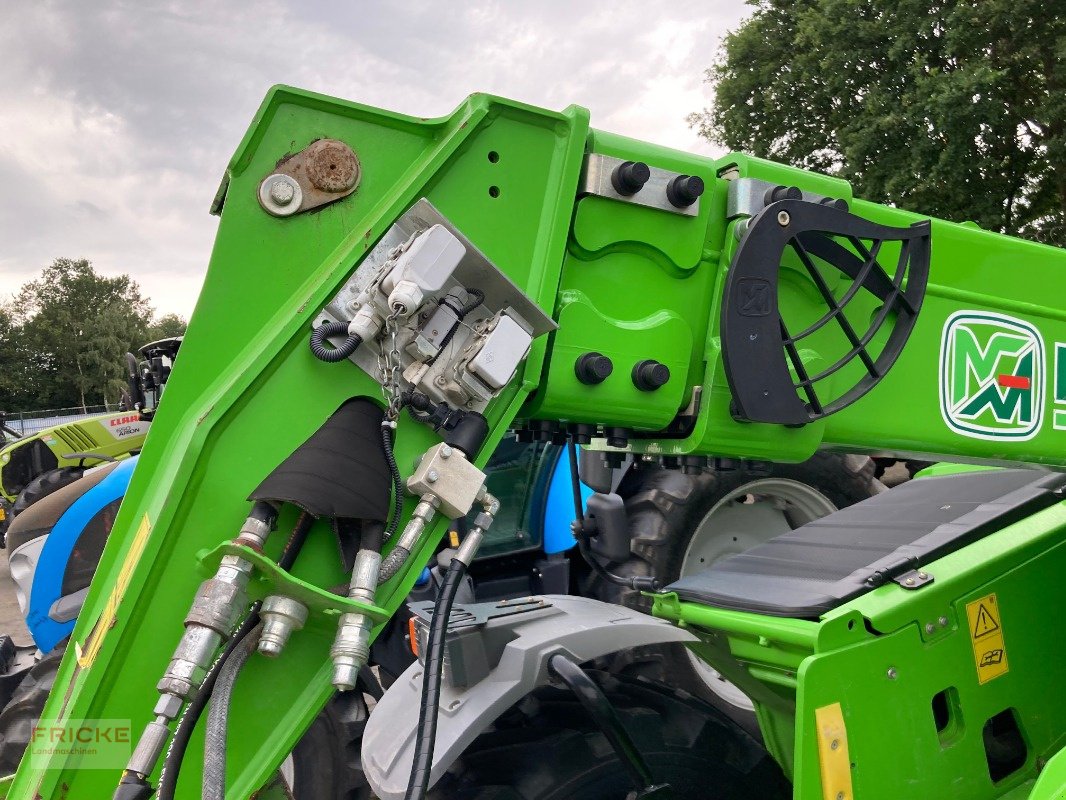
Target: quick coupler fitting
[[218, 603], [351, 648], [281, 616], [412, 532]]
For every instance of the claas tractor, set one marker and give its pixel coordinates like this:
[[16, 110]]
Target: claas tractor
[[34, 466], [404, 293]]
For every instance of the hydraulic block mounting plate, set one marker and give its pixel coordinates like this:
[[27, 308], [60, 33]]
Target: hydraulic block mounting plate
[[465, 363]]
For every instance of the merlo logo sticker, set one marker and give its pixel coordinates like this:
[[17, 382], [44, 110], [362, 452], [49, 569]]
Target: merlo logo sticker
[[991, 376]]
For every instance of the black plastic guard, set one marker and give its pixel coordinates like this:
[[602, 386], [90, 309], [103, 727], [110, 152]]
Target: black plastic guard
[[757, 348], [340, 472]]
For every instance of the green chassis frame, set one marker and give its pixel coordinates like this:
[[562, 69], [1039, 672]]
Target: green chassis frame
[[619, 278]]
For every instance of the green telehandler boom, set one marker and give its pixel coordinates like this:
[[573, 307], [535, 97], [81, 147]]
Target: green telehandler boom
[[405, 292]]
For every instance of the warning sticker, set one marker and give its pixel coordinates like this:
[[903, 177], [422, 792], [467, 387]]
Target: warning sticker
[[986, 632]]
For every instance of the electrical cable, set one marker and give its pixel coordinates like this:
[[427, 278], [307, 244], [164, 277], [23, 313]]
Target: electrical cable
[[397, 481], [429, 708], [330, 354], [639, 582]]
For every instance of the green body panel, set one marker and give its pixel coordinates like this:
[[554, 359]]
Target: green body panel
[[876, 657], [632, 282], [112, 435]]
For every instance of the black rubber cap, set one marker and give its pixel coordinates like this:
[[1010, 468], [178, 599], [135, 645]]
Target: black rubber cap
[[593, 368], [649, 375], [630, 177], [616, 437], [684, 190], [838, 203], [775, 193], [469, 433]]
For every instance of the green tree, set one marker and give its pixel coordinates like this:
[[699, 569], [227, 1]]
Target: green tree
[[954, 108], [165, 327], [75, 327]]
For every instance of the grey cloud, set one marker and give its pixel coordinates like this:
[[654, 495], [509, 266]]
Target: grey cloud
[[119, 117]]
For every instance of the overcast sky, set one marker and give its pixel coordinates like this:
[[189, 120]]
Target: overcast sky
[[117, 119]]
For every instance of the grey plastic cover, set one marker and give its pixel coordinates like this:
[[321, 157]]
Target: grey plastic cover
[[580, 627]]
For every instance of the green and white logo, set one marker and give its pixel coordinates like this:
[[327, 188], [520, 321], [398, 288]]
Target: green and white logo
[[991, 376]]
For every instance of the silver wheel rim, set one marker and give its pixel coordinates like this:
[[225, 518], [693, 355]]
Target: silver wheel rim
[[748, 516]]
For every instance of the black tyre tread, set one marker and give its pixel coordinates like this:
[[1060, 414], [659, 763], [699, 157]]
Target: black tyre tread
[[44, 485], [548, 748], [665, 505], [664, 508], [328, 764], [23, 712]]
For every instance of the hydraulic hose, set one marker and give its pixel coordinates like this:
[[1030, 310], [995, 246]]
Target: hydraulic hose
[[214, 776], [639, 582], [418, 785], [179, 743], [321, 350]]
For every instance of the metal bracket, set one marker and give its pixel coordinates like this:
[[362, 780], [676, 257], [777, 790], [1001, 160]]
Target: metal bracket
[[914, 579], [324, 171], [597, 181], [747, 197], [465, 616]]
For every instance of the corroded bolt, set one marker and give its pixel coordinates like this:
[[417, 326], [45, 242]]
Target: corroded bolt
[[281, 192]]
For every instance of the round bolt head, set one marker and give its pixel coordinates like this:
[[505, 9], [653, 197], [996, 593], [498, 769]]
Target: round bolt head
[[281, 192], [432, 476], [445, 452], [929, 627], [783, 218], [892, 673], [943, 622], [280, 195]]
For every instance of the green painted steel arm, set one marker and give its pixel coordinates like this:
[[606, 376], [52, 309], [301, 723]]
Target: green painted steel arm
[[619, 278]]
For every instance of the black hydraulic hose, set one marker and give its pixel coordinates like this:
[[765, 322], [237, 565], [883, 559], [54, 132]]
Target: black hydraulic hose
[[215, 738], [179, 742], [418, 785], [639, 582], [606, 718], [324, 352]]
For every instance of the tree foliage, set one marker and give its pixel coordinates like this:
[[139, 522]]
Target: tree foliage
[[956, 108], [64, 337]]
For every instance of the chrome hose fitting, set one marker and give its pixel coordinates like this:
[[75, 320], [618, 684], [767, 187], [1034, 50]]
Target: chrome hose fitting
[[351, 648], [218, 604], [412, 532], [281, 616]]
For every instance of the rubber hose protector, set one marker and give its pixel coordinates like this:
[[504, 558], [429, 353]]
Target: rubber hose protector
[[325, 352]]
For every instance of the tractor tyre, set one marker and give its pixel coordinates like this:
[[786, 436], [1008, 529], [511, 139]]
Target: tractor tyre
[[681, 524], [324, 765], [548, 748], [326, 762], [44, 485], [23, 711]]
